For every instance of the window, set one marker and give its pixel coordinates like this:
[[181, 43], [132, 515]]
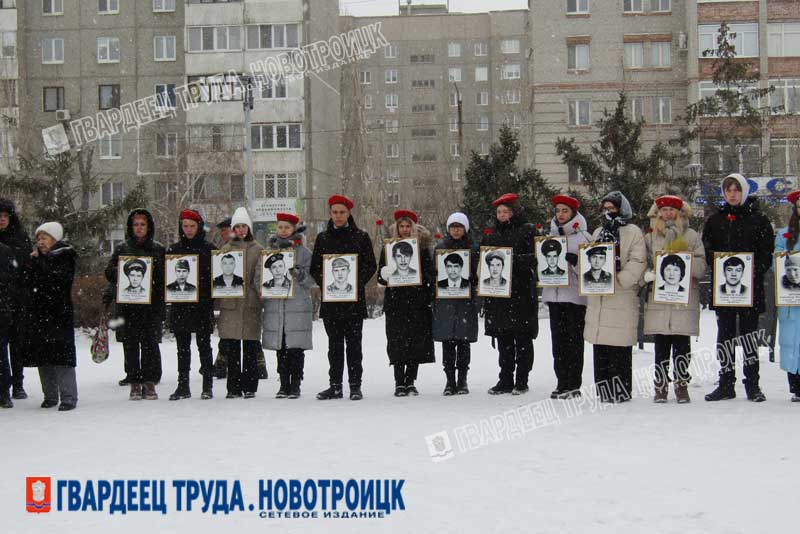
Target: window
[[785, 98], [392, 126], [214, 38], [276, 185], [455, 174], [483, 149], [165, 96], [660, 5], [391, 101], [423, 132], [481, 73], [107, 7], [580, 112], [574, 174], [216, 138], [577, 6], [279, 88], [367, 101], [167, 193], [111, 147], [53, 98], [453, 99], [391, 199], [391, 51], [509, 46], [423, 84], [454, 50], [393, 176], [510, 72], [108, 50], [454, 74], [392, 150], [8, 40], [578, 57], [276, 136], [391, 76], [637, 108], [481, 49], [263, 36], [53, 50], [746, 40], [455, 150], [783, 39], [513, 96], [108, 96], [52, 7], [423, 58], [634, 55], [660, 54], [215, 187], [483, 123], [166, 145], [482, 98], [784, 157], [453, 124], [632, 6], [215, 88], [662, 109], [423, 108], [160, 6], [112, 192], [718, 105], [744, 158], [365, 77], [164, 47]]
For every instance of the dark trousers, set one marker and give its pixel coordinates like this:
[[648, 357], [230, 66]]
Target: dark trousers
[[515, 353], [405, 373], [727, 332], [203, 342], [59, 382], [341, 331], [679, 348], [290, 363], [142, 356], [5, 369], [456, 355], [794, 383], [613, 374], [567, 321], [17, 362], [242, 358]]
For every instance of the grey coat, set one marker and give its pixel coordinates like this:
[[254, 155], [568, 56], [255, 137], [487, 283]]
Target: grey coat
[[290, 318]]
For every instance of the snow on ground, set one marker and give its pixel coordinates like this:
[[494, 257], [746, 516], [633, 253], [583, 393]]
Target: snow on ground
[[637, 467]]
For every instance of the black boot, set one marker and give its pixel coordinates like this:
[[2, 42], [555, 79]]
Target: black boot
[[208, 387], [461, 384], [125, 381], [283, 391], [5, 401], [725, 390], [182, 392], [294, 385], [399, 380], [355, 392], [450, 386], [411, 391], [18, 393], [754, 393], [333, 392]]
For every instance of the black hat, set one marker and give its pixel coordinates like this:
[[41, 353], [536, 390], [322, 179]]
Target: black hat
[[596, 251], [226, 223], [551, 245], [182, 264], [134, 265], [272, 259]]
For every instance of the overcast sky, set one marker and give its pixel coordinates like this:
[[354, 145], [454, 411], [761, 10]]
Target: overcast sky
[[371, 8]]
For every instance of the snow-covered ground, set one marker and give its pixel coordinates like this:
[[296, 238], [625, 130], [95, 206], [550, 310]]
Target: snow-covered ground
[[637, 467]]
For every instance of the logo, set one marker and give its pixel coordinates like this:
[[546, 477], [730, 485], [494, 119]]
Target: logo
[[439, 446], [37, 494]]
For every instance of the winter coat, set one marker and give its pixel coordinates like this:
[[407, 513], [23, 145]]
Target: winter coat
[[674, 319], [14, 236], [241, 318], [409, 315], [346, 240], [613, 319], [8, 276], [194, 316], [517, 315], [742, 229], [138, 317], [290, 318], [457, 319], [789, 320], [575, 237], [47, 330]]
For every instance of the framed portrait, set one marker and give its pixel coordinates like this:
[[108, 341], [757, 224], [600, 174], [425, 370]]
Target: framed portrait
[[276, 276], [340, 278], [402, 257], [733, 279], [452, 274], [551, 260], [227, 274], [597, 269], [181, 278], [787, 278], [134, 279], [673, 282], [494, 273]]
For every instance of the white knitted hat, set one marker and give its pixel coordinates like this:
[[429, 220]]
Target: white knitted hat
[[53, 229], [240, 216], [458, 218]]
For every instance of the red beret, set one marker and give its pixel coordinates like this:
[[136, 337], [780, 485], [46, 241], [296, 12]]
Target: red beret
[[192, 216], [669, 201], [289, 217], [340, 199], [508, 198], [567, 200], [793, 196], [399, 214]]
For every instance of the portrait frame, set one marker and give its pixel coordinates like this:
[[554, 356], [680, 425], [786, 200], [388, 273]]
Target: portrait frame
[[416, 280], [222, 292], [126, 296], [441, 274], [784, 296], [266, 275], [551, 280], [506, 275], [720, 298], [172, 296], [328, 278], [665, 296], [606, 285]]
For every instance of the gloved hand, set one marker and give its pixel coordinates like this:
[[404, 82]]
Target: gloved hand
[[649, 276], [386, 272], [572, 259]]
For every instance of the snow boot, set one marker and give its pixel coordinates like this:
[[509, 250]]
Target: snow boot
[[399, 381], [450, 385], [754, 393], [232, 395], [682, 393], [125, 381], [150, 391], [182, 392], [333, 392], [65, 407], [49, 403], [795, 398], [501, 389], [283, 390], [294, 386], [569, 394], [660, 396], [249, 394], [461, 383], [136, 392], [208, 387], [5, 401], [355, 393], [723, 392], [18, 393]]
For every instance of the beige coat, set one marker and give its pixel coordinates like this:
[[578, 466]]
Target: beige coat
[[612, 320], [241, 318]]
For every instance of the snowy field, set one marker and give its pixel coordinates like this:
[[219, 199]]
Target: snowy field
[[637, 467]]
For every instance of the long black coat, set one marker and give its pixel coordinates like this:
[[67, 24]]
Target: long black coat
[[47, 329], [409, 315], [457, 319], [14, 236], [8, 276], [347, 240], [742, 229], [194, 316], [519, 314], [138, 317]]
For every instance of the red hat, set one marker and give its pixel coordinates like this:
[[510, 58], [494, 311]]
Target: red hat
[[669, 201], [289, 217], [192, 216], [340, 199], [793, 196], [508, 198], [567, 200], [399, 214]]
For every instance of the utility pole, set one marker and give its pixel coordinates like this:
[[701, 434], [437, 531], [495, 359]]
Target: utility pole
[[247, 103], [460, 120]]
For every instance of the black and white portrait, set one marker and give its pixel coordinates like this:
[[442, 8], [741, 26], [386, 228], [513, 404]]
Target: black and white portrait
[[787, 279], [134, 279], [733, 279], [673, 278], [402, 258], [452, 274], [181, 278], [227, 271], [340, 278], [276, 275], [551, 257], [494, 277], [596, 266]]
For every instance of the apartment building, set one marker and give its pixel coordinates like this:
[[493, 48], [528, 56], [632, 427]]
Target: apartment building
[[9, 78]]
